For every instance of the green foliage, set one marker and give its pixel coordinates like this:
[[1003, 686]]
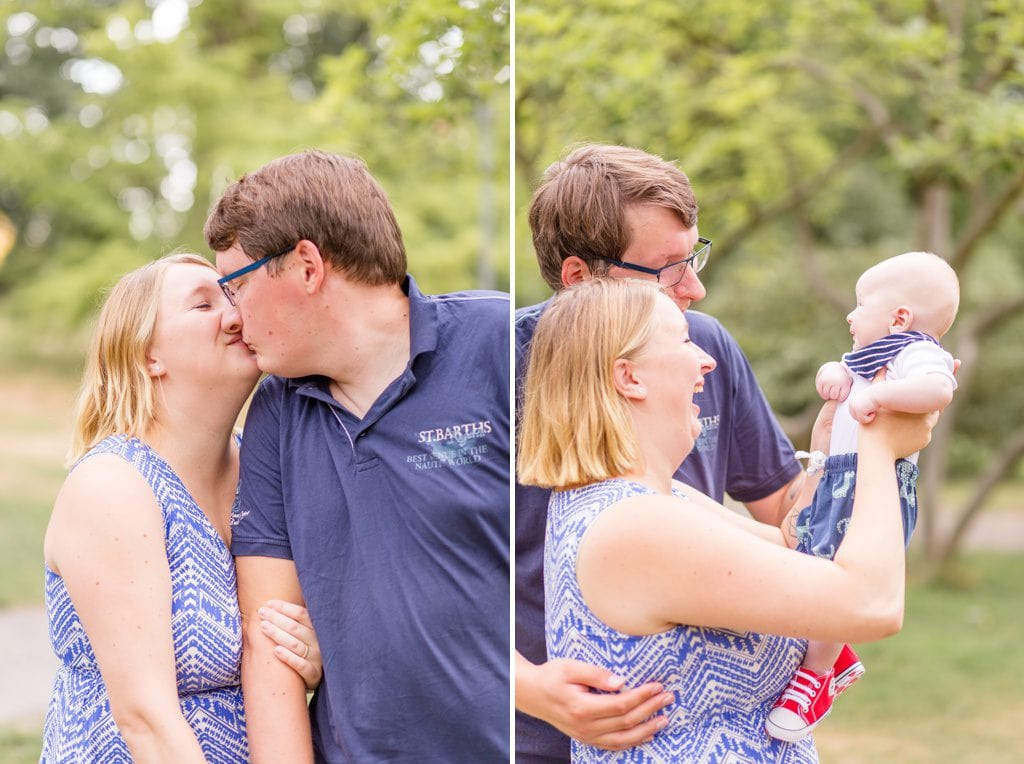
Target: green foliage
[[120, 128], [820, 136]]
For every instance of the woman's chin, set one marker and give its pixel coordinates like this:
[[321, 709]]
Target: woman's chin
[[248, 372]]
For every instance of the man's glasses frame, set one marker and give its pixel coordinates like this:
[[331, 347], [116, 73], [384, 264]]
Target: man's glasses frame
[[222, 282], [697, 261]]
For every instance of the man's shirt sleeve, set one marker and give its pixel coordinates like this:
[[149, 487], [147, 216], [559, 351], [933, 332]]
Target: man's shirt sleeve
[[761, 456], [260, 526]]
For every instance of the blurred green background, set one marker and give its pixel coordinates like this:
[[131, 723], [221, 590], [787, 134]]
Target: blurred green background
[[122, 121], [822, 136]]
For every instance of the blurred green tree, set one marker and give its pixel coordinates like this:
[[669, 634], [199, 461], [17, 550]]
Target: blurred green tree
[[821, 136], [122, 122]]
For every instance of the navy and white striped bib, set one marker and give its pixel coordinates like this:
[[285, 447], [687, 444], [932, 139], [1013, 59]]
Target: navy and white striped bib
[[868, 360]]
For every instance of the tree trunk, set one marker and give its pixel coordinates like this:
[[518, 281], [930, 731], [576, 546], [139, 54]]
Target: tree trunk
[[1000, 468], [485, 275], [934, 233]]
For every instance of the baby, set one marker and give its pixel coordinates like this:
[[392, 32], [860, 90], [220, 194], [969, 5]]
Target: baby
[[904, 306]]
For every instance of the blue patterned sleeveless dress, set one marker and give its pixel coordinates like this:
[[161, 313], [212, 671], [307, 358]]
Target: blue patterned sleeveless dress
[[205, 624], [724, 682]]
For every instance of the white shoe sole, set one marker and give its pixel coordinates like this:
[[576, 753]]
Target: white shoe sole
[[848, 677], [792, 736]]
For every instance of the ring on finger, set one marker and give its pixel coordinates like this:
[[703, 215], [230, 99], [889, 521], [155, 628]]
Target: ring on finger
[[305, 654]]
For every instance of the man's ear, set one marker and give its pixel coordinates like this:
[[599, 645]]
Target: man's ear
[[902, 319], [311, 261], [626, 381], [574, 270]]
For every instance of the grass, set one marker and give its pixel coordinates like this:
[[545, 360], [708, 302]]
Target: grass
[[1006, 498], [35, 426], [20, 744], [946, 689]]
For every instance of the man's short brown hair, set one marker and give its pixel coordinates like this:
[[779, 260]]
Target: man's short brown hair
[[328, 199], [580, 206]]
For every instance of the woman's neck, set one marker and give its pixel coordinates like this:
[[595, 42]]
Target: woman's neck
[[660, 456], [656, 480], [202, 454], [195, 437]]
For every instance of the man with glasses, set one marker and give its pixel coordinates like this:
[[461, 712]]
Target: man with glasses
[[623, 213], [669, 275], [374, 476]]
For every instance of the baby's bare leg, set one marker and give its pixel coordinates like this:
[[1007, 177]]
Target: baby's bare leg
[[821, 656]]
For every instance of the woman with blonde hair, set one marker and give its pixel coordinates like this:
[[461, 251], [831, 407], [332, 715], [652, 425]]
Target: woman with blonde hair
[[140, 582], [655, 581]]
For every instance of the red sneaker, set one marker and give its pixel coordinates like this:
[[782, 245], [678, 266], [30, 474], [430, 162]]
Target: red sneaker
[[805, 702], [847, 669]]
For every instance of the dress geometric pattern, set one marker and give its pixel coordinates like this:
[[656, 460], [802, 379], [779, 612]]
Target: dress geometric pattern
[[724, 682], [205, 625]]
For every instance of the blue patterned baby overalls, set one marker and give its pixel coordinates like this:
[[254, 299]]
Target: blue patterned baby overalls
[[205, 625]]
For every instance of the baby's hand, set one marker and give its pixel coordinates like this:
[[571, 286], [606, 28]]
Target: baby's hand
[[833, 381], [863, 405]]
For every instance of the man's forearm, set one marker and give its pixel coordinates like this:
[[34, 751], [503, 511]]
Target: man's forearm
[[276, 715], [800, 492], [523, 687], [774, 508]]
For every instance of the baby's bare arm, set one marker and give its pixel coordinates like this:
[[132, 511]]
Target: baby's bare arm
[[913, 395]]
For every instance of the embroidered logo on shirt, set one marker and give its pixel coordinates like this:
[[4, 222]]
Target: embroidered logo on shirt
[[707, 441], [457, 432], [237, 515], [454, 445]]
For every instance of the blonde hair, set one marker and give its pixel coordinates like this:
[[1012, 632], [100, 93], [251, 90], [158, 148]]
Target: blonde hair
[[117, 395], [576, 429]]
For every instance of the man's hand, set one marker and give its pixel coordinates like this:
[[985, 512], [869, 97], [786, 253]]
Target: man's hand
[[559, 692], [833, 382]]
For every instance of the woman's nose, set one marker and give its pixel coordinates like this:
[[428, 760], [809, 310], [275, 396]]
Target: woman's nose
[[231, 319]]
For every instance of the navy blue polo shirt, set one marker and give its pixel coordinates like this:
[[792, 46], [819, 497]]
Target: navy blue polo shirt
[[741, 451], [398, 524]]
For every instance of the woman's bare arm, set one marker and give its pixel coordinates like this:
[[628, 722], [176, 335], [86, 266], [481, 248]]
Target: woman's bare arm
[[106, 541], [648, 564]]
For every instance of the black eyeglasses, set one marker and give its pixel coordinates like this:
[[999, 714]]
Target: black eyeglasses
[[672, 273], [223, 281]]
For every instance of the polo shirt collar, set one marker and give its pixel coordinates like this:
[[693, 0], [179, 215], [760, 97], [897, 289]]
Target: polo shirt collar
[[422, 320]]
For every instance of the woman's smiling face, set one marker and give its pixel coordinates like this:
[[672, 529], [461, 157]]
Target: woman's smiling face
[[672, 367]]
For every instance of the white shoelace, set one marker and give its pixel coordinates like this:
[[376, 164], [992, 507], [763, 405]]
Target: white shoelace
[[801, 688]]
